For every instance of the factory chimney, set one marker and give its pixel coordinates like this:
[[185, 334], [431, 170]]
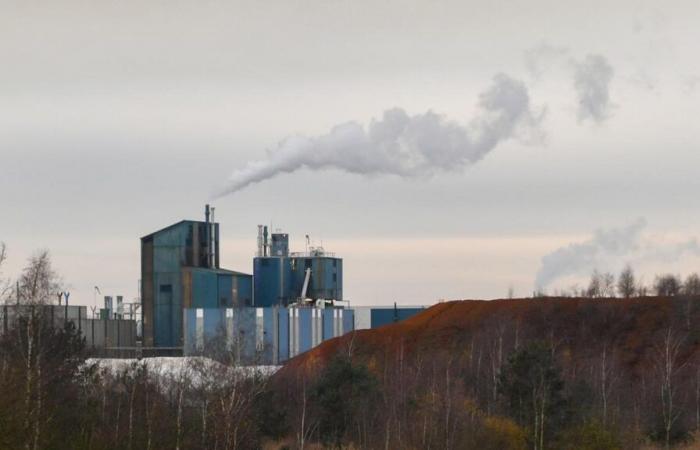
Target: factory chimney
[[260, 241], [208, 234], [265, 243]]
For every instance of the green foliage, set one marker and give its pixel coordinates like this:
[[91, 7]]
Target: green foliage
[[343, 392]]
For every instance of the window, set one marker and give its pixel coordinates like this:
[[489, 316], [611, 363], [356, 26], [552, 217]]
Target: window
[[166, 288]]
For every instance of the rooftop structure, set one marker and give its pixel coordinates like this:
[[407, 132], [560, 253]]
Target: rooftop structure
[[282, 278]]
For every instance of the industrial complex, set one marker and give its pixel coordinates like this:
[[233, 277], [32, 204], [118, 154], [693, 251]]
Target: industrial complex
[[190, 305], [292, 302]]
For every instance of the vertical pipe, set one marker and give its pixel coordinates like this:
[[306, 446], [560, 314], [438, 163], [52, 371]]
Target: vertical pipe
[[216, 246], [260, 241], [265, 252], [208, 235]]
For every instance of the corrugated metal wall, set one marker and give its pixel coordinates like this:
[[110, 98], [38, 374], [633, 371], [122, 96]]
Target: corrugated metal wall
[[279, 280], [272, 277], [176, 274], [372, 317], [169, 255], [326, 280], [98, 333], [262, 335]]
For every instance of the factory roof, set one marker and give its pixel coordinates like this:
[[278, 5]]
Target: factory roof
[[173, 226]]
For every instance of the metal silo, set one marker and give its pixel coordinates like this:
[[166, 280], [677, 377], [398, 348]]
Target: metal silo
[[272, 281]]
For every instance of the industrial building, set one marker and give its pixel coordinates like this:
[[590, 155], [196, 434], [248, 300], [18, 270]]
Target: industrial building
[[180, 269], [282, 278], [291, 303], [189, 305]]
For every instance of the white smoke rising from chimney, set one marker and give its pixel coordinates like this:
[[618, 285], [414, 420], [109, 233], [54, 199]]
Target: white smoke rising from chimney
[[404, 145]]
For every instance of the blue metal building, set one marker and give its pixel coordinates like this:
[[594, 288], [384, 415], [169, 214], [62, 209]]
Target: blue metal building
[[377, 316], [282, 278], [287, 307], [262, 335], [180, 269]]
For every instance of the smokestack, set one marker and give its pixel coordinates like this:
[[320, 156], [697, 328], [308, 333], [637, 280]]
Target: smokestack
[[260, 240], [265, 245], [208, 234]]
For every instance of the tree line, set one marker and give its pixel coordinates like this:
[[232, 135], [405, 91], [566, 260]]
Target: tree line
[[627, 285]]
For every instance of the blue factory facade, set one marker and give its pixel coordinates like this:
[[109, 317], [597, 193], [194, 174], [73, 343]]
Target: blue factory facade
[[180, 269], [262, 335], [289, 305]]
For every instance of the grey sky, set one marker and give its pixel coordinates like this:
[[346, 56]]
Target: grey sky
[[118, 118]]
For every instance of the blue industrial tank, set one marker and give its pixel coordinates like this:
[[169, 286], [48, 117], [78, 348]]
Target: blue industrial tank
[[325, 280], [272, 279]]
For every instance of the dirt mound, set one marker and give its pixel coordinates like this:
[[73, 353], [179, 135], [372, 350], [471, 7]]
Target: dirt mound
[[577, 328]]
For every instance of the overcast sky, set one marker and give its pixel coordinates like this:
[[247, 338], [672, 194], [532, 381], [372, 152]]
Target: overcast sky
[[119, 118]]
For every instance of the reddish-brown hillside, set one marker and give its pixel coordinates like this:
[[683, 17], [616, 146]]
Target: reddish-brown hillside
[[579, 329]]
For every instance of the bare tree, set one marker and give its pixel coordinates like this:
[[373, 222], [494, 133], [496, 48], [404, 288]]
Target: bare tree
[[642, 289], [37, 285], [667, 285], [667, 363], [608, 379], [38, 282], [607, 285], [626, 282], [5, 283], [594, 286], [304, 428], [692, 285]]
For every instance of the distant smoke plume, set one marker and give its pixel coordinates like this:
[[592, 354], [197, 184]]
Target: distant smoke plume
[[592, 78], [402, 144], [610, 250]]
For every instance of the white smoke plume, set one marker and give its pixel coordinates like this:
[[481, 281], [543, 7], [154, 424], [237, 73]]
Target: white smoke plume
[[610, 250], [592, 78], [402, 144]]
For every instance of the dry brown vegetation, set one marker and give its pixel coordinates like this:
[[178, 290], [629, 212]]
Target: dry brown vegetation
[[630, 367]]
